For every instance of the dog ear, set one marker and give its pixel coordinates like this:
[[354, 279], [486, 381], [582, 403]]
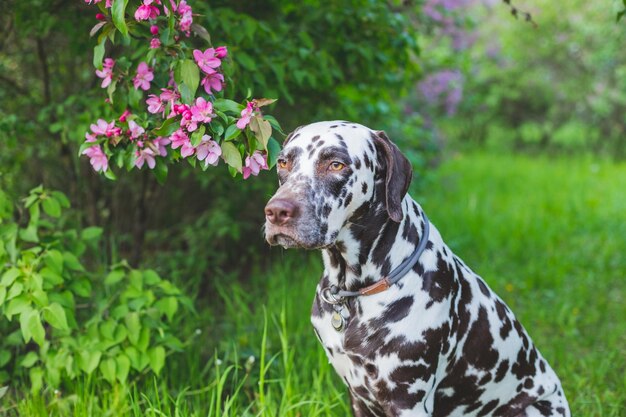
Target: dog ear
[[397, 177]]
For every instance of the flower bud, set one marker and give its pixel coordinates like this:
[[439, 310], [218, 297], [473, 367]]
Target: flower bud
[[100, 16], [221, 52], [154, 29]]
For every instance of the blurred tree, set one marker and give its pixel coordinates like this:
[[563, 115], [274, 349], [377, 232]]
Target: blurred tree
[[559, 86]]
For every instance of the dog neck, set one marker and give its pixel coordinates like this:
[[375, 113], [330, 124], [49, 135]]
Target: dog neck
[[371, 245]]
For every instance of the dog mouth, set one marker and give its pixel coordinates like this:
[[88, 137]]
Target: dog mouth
[[284, 240]]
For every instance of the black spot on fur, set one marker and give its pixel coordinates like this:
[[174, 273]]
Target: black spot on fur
[[364, 188], [483, 288], [502, 370], [348, 200]]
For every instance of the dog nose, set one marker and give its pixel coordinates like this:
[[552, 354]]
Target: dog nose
[[279, 211]]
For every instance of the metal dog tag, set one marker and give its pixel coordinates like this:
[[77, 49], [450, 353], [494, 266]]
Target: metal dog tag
[[337, 321], [339, 317]]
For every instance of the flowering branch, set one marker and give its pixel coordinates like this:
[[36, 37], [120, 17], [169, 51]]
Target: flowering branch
[[168, 97]]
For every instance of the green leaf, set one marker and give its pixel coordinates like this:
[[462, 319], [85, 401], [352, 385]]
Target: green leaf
[[261, 129], [118, 9], [17, 306], [3, 295], [196, 136], [167, 306], [189, 74], [9, 276], [54, 314], [133, 325], [61, 198], [29, 360], [114, 277], [30, 324], [273, 149], [167, 128], [186, 96], [72, 262], [91, 233], [54, 260], [29, 234], [15, 290], [232, 132], [108, 368], [157, 358], [122, 368], [36, 379], [5, 357], [231, 155], [36, 329], [81, 287], [89, 360], [24, 319], [109, 174], [3, 391], [226, 105], [150, 277], [98, 54], [51, 207]]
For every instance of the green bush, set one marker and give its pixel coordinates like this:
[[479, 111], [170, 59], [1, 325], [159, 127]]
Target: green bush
[[65, 315]]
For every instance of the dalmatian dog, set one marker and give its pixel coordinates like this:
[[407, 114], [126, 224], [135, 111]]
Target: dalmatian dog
[[410, 329]]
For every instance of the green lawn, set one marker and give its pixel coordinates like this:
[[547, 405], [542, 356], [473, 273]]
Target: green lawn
[[548, 235]]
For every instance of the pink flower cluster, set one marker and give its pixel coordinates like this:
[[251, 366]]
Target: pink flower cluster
[[209, 61], [130, 133]]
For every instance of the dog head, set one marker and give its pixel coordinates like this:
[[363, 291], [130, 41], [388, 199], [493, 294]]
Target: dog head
[[330, 172]]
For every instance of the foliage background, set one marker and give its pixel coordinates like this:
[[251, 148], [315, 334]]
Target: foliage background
[[443, 78]]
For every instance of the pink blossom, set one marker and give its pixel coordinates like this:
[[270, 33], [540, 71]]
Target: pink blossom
[[186, 19], [155, 105], [187, 150], [97, 158], [143, 77], [108, 4], [254, 164], [146, 11], [169, 96], [155, 43], [124, 115], [145, 155], [214, 81], [101, 127], [207, 60], [179, 139], [160, 143], [209, 151], [154, 29], [221, 52], [186, 120], [106, 73], [90, 137], [135, 129], [202, 111], [246, 114]]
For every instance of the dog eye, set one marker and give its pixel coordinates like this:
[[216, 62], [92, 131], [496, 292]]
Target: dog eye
[[336, 166], [282, 163]]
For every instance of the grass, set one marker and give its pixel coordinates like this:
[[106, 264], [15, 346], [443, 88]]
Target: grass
[[549, 235]]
